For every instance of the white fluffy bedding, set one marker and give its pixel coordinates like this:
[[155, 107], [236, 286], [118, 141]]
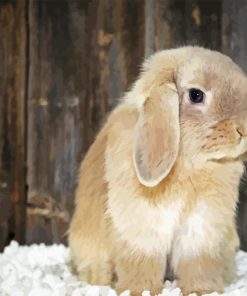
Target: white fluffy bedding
[[40, 270]]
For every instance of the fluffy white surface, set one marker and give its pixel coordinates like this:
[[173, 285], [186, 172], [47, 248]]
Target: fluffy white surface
[[41, 270]]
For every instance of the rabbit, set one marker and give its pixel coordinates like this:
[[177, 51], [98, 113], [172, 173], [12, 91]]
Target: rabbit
[[159, 185]]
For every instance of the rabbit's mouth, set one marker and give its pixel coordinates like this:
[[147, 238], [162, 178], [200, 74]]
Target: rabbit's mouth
[[241, 149], [243, 156], [239, 154]]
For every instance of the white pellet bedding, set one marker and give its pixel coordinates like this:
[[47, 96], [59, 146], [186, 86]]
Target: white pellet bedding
[[40, 270]]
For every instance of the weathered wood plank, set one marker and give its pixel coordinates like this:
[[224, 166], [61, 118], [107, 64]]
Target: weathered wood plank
[[203, 23], [234, 43], [234, 34], [12, 120], [83, 55], [183, 22], [168, 24]]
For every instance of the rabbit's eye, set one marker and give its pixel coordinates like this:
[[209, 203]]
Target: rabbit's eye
[[196, 95]]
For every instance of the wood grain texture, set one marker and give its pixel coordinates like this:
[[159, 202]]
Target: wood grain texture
[[83, 55], [169, 24], [12, 120], [183, 22], [234, 44], [203, 23]]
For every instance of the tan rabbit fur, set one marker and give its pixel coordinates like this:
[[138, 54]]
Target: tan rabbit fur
[[160, 182]]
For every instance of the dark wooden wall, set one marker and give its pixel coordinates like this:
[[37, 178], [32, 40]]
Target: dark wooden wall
[[13, 98], [63, 65]]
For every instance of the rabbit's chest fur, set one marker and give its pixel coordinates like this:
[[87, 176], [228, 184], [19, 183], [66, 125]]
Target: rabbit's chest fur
[[168, 226], [160, 229], [144, 226]]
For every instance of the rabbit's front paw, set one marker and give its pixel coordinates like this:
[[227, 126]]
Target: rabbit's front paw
[[201, 288]]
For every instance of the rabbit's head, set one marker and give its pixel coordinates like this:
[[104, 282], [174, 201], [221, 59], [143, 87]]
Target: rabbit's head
[[192, 106]]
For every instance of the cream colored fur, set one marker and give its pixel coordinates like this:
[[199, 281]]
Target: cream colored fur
[[160, 183]]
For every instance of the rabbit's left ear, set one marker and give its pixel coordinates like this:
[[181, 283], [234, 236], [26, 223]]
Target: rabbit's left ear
[[157, 136]]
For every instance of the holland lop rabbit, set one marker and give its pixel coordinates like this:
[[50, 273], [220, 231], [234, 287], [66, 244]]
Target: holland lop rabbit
[[159, 185]]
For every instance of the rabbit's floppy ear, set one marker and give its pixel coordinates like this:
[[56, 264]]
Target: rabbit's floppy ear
[[157, 136]]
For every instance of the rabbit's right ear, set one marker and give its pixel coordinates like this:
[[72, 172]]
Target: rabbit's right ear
[[157, 136]]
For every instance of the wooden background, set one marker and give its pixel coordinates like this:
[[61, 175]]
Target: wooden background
[[63, 64]]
